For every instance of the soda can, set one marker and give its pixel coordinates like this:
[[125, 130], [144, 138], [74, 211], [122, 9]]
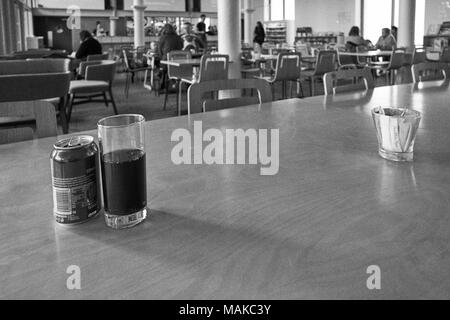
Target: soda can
[[75, 180]]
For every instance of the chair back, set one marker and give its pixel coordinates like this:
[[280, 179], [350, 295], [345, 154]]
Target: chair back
[[302, 48], [347, 62], [198, 91], [397, 60], [34, 80], [34, 66], [288, 67], [134, 58], [429, 71], [179, 72], [445, 57], [355, 80], [103, 70], [419, 56], [98, 57], [326, 62], [20, 121], [214, 67]]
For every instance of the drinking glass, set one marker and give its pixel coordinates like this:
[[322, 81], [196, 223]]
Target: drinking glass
[[123, 162], [396, 132]]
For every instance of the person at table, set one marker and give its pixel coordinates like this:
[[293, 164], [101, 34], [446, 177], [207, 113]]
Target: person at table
[[386, 41], [168, 41], [191, 42], [394, 32], [201, 29], [89, 46], [259, 37], [354, 40], [99, 30]]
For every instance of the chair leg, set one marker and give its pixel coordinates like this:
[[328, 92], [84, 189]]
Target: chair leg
[[69, 107], [63, 115], [112, 101], [127, 85], [312, 86], [179, 88], [166, 81], [272, 86], [106, 99]]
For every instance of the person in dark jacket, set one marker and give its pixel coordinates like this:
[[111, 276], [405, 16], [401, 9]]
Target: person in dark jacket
[[169, 41], [260, 34], [89, 46]]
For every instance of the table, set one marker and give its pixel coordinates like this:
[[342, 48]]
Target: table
[[367, 54], [182, 62], [225, 232]]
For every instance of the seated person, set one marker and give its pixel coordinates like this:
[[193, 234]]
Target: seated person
[[354, 40], [191, 42], [386, 41], [89, 46]]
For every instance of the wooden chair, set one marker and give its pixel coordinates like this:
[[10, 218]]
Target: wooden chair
[[197, 92], [98, 79], [36, 80], [356, 79], [288, 69], [429, 71], [20, 121]]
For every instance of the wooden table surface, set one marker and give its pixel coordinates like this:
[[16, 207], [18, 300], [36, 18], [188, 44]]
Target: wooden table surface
[[225, 232]]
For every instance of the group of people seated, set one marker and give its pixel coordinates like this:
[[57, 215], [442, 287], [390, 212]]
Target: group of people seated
[[387, 40]]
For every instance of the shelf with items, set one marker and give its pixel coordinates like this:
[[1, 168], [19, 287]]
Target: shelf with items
[[316, 40], [276, 32]]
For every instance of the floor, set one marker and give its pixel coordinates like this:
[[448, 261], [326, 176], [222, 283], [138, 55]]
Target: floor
[[142, 101]]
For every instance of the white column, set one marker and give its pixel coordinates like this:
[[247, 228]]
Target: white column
[[113, 19], [138, 9], [406, 26], [229, 28], [248, 21]]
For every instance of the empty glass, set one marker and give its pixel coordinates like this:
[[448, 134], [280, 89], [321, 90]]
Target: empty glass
[[123, 161], [396, 132]]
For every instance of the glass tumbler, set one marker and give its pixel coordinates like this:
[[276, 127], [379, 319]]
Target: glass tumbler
[[396, 132], [123, 162]]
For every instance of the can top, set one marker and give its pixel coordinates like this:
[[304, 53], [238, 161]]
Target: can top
[[73, 143]]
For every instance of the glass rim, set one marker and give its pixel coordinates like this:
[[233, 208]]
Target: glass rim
[[139, 120], [412, 113]]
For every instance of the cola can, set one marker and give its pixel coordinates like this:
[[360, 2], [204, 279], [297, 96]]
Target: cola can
[[75, 180]]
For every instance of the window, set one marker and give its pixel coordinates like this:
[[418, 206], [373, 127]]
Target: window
[[377, 15], [279, 10], [420, 22]]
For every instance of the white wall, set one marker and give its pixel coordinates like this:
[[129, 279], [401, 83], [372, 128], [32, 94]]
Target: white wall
[[160, 5], [436, 12], [325, 15], [64, 4]]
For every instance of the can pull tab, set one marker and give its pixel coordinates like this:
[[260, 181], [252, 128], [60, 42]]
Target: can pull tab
[[74, 141]]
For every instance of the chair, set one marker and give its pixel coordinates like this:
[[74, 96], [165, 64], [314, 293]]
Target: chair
[[356, 79], [176, 74], [98, 79], [20, 121], [288, 69], [445, 57], [198, 91], [419, 56], [428, 71], [98, 57], [347, 62], [42, 78], [326, 62], [135, 62]]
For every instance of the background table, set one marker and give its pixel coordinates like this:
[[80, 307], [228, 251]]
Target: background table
[[226, 232]]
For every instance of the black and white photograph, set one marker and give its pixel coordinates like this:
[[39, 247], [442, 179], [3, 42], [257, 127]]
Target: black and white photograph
[[224, 156]]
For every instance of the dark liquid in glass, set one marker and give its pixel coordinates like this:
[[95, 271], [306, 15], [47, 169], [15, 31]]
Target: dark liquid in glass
[[124, 182]]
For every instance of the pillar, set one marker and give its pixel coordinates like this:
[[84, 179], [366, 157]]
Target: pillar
[[113, 19], [229, 28], [248, 21], [406, 26], [138, 10]]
